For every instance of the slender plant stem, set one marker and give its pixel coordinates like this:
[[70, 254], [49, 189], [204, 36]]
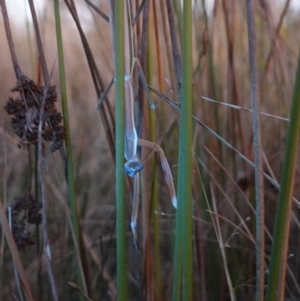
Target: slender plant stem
[[11, 45], [106, 111], [274, 39], [154, 189], [167, 39], [174, 42], [281, 235], [259, 188], [184, 214], [69, 163], [143, 61], [120, 124], [46, 245], [185, 152], [39, 42]]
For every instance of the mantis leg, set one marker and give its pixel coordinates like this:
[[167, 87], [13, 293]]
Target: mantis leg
[[165, 166], [135, 208], [168, 177]]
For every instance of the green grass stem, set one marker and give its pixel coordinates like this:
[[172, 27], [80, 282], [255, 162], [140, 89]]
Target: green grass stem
[[281, 235], [69, 163], [120, 124], [183, 255]]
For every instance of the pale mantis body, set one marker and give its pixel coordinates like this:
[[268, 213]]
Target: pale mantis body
[[133, 164]]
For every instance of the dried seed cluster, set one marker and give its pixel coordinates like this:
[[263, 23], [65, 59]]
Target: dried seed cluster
[[25, 211], [26, 110]]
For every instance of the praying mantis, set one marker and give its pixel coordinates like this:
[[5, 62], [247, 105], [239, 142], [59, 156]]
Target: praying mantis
[[133, 164]]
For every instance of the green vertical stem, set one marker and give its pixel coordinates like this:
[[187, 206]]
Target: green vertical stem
[[281, 233], [258, 162], [184, 210], [120, 200], [69, 163], [177, 68]]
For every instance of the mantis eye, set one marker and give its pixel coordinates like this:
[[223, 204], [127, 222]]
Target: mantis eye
[[132, 167]]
